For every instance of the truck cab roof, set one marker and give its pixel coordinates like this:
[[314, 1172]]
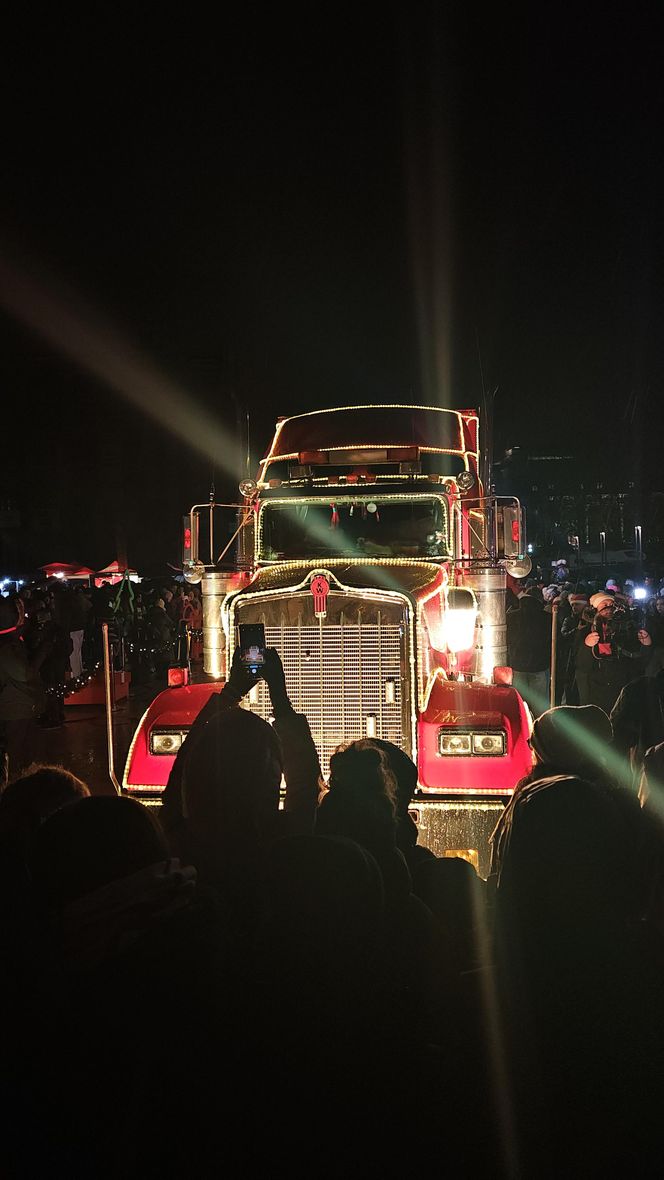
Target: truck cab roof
[[372, 441]]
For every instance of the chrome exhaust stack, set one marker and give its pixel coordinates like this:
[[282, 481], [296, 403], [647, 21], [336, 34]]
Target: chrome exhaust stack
[[215, 586]]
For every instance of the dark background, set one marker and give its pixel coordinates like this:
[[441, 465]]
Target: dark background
[[322, 206]]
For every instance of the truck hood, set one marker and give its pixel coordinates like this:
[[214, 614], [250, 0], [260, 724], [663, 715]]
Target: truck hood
[[395, 574]]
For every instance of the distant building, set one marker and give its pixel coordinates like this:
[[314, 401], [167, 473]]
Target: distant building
[[572, 505]]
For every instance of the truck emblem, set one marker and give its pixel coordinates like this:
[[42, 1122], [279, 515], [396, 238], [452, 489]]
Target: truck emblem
[[320, 588]]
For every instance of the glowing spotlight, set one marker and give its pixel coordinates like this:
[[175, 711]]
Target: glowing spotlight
[[459, 620]]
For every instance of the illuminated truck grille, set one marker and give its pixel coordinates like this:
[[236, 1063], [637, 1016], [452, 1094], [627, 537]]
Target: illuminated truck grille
[[345, 674]]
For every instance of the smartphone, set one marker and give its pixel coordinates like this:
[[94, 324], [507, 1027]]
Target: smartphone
[[252, 646]]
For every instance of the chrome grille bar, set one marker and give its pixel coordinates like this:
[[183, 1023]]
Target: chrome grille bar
[[336, 674]]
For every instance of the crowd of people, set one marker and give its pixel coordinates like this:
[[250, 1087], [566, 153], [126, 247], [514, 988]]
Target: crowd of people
[[51, 641], [605, 639], [254, 981]]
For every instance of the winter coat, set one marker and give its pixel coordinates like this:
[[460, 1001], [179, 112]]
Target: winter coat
[[21, 692], [529, 636], [80, 608], [160, 628], [638, 715]]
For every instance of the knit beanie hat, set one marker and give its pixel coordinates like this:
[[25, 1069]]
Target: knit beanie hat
[[597, 601], [573, 738]]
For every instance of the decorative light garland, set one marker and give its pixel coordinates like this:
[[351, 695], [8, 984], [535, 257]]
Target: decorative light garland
[[274, 454], [70, 687]]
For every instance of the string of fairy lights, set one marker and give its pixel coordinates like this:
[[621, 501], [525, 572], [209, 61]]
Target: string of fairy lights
[[76, 684], [139, 648]]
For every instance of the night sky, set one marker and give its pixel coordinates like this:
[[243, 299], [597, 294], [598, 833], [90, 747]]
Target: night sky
[[324, 206]]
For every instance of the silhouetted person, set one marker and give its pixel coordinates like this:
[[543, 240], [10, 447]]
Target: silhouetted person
[[47, 628], [617, 651], [132, 983], [321, 963], [529, 649], [24, 805], [160, 630], [578, 980], [456, 896], [404, 771], [22, 696], [221, 804], [360, 805], [34, 795], [638, 720]]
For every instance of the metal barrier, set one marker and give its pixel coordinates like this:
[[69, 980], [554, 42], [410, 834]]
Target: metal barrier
[[109, 692]]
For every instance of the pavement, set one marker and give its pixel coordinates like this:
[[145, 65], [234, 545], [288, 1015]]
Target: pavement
[[80, 745]]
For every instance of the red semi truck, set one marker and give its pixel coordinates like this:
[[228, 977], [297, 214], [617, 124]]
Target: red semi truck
[[370, 551]]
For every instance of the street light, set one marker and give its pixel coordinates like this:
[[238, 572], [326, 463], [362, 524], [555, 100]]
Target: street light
[[638, 543]]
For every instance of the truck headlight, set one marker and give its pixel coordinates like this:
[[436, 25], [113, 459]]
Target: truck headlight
[[454, 743], [463, 745], [167, 741], [489, 743]]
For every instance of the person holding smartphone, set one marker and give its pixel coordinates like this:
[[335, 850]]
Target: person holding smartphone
[[232, 762], [252, 647]]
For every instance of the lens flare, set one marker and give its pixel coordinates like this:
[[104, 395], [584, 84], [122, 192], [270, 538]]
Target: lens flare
[[58, 315]]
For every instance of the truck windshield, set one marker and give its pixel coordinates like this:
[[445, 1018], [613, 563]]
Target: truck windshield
[[414, 526]]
